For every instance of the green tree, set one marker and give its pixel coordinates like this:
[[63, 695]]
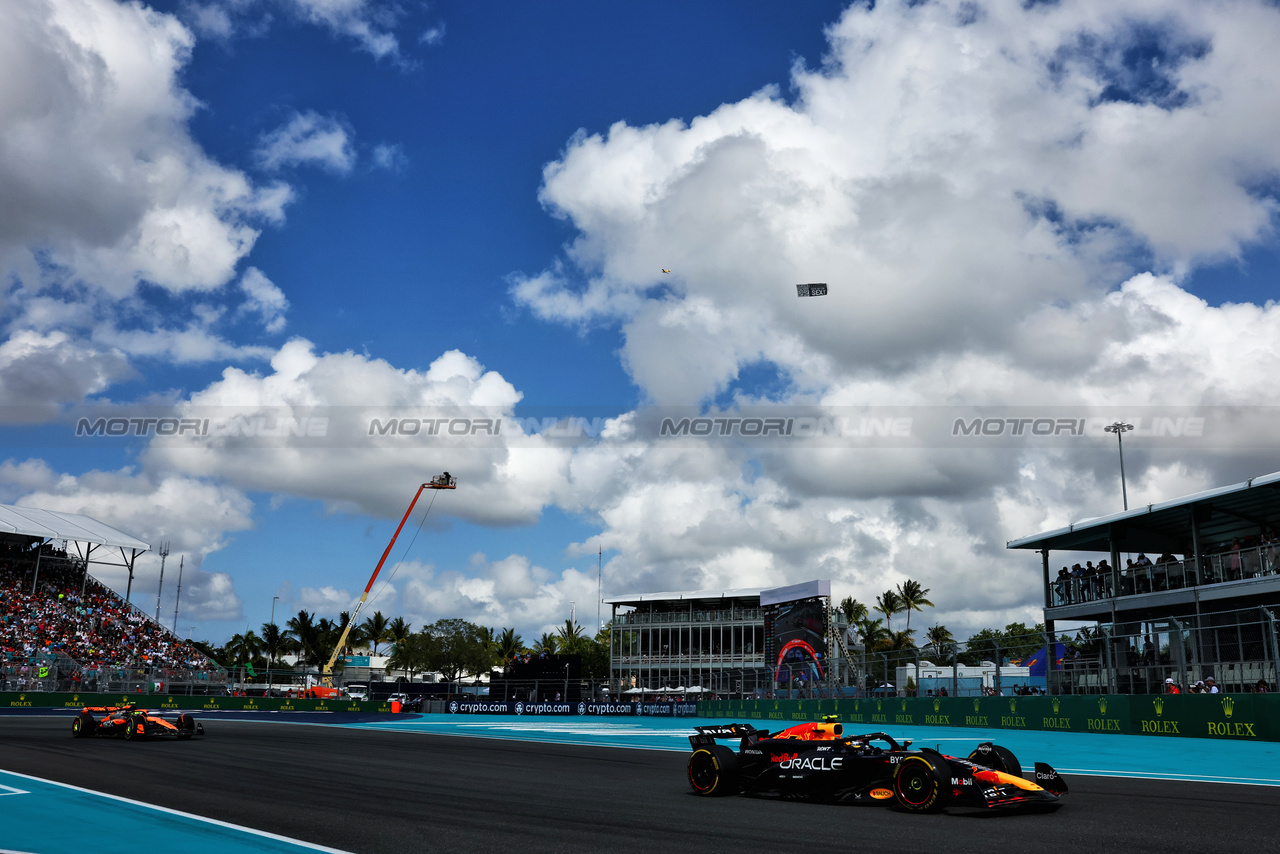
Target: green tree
[[398, 629], [309, 637], [459, 648], [874, 635], [853, 609], [940, 643], [913, 597], [889, 603], [412, 654], [275, 643], [374, 630], [547, 643], [242, 649], [595, 655], [509, 645], [570, 638]]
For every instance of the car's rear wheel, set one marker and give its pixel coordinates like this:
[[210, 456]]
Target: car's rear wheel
[[922, 784], [83, 725], [997, 758], [713, 770], [186, 726]]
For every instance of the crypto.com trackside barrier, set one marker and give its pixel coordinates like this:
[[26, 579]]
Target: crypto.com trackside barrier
[[517, 707], [1237, 716]]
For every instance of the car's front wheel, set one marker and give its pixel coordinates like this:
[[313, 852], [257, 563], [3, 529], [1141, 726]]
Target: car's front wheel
[[997, 758], [133, 727], [921, 784], [713, 770], [83, 725]]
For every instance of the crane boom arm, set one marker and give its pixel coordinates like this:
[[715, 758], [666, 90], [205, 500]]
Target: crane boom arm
[[444, 481]]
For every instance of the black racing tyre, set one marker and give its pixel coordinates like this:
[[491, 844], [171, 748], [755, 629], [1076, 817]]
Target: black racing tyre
[[186, 723], [922, 783], [131, 725], [713, 770], [83, 725], [997, 758]]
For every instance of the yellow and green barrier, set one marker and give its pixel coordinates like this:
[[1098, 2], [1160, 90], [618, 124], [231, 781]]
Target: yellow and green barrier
[[1237, 716]]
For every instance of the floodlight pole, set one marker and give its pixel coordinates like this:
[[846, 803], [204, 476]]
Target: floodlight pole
[[1120, 428], [164, 553]]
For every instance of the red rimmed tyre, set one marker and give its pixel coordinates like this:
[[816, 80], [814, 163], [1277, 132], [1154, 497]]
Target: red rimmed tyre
[[922, 783], [713, 770]]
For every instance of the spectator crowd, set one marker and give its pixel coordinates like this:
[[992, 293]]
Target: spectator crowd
[[73, 629]]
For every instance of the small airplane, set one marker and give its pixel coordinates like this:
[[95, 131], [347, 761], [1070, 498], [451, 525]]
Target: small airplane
[[666, 271]]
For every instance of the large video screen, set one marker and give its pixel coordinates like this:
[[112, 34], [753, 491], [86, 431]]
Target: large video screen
[[796, 641]]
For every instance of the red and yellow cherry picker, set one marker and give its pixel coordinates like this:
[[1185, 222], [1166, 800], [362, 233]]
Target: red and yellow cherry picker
[[440, 481]]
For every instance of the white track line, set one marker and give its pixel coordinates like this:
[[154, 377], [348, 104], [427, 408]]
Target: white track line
[[275, 836]]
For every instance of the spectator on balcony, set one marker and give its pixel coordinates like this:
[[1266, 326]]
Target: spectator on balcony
[[1171, 687], [1063, 586], [1235, 558], [1077, 583], [1106, 578], [1210, 686]]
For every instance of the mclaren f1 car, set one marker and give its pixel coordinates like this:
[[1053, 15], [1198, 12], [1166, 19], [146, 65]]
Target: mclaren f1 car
[[818, 761], [130, 722]]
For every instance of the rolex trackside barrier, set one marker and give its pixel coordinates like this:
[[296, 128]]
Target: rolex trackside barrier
[[1239, 716]]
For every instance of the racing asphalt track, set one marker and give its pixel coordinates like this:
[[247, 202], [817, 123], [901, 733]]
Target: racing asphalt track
[[394, 793]]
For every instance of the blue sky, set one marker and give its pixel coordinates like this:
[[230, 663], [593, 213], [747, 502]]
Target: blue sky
[[300, 206]]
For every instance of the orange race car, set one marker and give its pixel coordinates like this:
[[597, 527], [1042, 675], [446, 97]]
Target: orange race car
[[130, 722]]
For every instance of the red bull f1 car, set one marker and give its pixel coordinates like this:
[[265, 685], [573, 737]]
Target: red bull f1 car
[[131, 723], [818, 761]]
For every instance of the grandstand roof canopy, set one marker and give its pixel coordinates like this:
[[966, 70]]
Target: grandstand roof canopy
[[53, 525], [1221, 514], [687, 595]]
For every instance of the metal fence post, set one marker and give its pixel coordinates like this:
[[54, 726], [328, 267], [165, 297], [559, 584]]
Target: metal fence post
[[1108, 661]]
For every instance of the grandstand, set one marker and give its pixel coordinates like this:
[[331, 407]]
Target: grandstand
[[1183, 589], [729, 643], [63, 630]]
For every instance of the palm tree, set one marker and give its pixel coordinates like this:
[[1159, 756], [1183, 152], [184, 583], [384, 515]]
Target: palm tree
[[243, 648], [309, 637], [874, 635], [509, 645], [375, 629], [853, 609], [546, 643], [901, 640], [399, 629], [412, 654], [275, 643], [912, 597], [889, 603], [940, 640], [570, 637]]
